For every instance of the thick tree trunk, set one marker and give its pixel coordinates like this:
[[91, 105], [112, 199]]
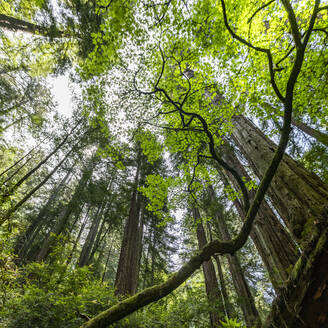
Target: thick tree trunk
[[298, 195], [211, 283], [245, 298], [274, 244], [127, 270]]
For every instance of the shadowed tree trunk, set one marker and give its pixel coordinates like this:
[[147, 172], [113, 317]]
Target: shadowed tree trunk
[[24, 242], [298, 195], [127, 271], [229, 311], [245, 298], [74, 206], [14, 24], [88, 244], [274, 244], [211, 283]]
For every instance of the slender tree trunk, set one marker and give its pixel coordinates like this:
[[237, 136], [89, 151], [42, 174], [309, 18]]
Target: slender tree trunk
[[298, 195], [15, 172], [15, 24], [245, 298], [25, 241], [226, 301], [316, 134], [18, 161], [35, 189], [61, 224], [211, 283], [7, 194], [89, 242], [77, 239], [107, 261]]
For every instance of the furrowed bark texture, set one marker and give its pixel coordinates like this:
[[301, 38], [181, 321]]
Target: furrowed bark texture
[[298, 195], [274, 244], [211, 283], [128, 265]]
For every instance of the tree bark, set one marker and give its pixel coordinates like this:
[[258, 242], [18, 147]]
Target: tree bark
[[274, 244], [7, 194], [127, 270], [211, 283], [72, 206], [316, 134], [88, 244], [245, 298], [24, 242], [35, 189], [229, 311], [77, 239], [14, 24], [298, 195]]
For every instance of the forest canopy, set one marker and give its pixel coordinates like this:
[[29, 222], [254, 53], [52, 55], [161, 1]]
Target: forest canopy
[[187, 184]]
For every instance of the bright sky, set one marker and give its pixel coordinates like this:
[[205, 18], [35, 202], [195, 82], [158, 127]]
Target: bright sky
[[62, 95]]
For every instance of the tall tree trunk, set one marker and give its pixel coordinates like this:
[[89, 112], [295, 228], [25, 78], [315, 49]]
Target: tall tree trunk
[[73, 206], [107, 261], [298, 195], [211, 283], [316, 134], [77, 239], [10, 177], [19, 160], [24, 242], [226, 301], [127, 270], [89, 242], [245, 298], [274, 244], [14, 24], [9, 193], [35, 189]]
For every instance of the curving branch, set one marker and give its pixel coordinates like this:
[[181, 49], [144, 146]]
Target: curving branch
[[260, 49], [259, 9]]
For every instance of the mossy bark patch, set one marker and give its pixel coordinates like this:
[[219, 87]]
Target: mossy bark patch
[[304, 303]]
